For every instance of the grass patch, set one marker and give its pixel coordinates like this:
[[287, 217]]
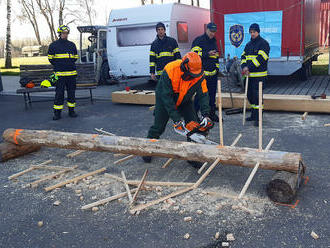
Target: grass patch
[[16, 62], [320, 67]]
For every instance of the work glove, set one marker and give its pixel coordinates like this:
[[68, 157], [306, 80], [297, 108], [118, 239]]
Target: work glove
[[206, 122], [179, 125]]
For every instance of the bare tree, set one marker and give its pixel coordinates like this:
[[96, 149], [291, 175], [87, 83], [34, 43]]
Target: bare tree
[[8, 62], [47, 10], [30, 14]]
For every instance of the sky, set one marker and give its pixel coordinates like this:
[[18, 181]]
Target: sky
[[103, 7]]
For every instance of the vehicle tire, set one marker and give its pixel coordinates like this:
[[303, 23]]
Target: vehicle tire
[[105, 77]]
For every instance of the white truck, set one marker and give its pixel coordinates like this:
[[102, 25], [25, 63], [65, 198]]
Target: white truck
[[131, 31]]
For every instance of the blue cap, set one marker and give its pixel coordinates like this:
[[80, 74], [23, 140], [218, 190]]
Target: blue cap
[[255, 27], [212, 27]]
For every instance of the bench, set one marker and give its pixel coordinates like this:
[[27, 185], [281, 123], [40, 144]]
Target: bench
[[38, 73]]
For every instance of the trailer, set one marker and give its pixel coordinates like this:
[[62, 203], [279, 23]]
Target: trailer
[[131, 32], [290, 26]]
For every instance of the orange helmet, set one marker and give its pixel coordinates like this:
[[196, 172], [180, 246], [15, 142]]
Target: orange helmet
[[192, 65], [30, 85]]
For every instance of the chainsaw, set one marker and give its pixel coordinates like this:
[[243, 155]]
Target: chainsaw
[[195, 133]]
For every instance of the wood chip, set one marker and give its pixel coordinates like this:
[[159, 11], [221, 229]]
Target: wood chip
[[77, 191], [81, 198], [186, 236], [170, 201], [40, 223], [95, 209], [199, 212], [225, 244], [217, 236], [230, 237], [56, 203], [314, 235], [187, 219]]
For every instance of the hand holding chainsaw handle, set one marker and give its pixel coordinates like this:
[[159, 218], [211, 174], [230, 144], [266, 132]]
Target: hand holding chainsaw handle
[[206, 122], [179, 125]]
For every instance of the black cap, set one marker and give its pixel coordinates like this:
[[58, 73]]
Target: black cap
[[160, 25], [255, 27], [212, 27]]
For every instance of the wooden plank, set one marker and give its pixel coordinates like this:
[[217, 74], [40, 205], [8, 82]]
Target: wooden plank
[[161, 199], [130, 198], [124, 159], [151, 183], [106, 200], [32, 167], [75, 179], [75, 153], [220, 112], [293, 103], [260, 116], [51, 176], [140, 186], [167, 163], [207, 172]]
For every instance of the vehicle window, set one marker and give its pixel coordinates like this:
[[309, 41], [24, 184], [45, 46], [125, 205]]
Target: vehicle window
[[135, 36], [182, 29]]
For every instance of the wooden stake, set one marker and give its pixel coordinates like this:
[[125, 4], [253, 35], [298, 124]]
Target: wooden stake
[[152, 108], [151, 183], [202, 178], [260, 116], [303, 117], [32, 167], [220, 112], [149, 204], [58, 185], [248, 181], [232, 145], [75, 153], [51, 176], [167, 163], [245, 98], [130, 198], [106, 200], [119, 155], [101, 131], [124, 159], [47, 167], [140, 186]]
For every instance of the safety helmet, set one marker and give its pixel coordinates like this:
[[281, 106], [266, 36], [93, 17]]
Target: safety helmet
[[63, 28], [192, 65], [45, 84], [30, 85]]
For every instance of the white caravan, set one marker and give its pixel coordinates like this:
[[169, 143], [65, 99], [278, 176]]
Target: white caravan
[[131, 32]]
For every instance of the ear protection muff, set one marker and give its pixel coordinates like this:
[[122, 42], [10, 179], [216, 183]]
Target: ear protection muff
[[187, 74]]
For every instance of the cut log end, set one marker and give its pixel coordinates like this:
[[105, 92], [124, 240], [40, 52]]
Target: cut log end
[[283, 187], [9, 151]]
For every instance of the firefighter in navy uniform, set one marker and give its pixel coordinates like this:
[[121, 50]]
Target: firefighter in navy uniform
[[164, 49], [206, 46], [254, 64], [62, 54]]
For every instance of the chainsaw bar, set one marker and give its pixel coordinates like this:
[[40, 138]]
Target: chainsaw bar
[[195, 137]]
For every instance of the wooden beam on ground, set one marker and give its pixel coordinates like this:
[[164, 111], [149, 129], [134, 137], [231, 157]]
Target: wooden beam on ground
[[207, 172], [139, 186], [161, 199], [106, 200], [10, 151], [75, 153], [51, 176], [167, 163], [245, 98], [124, 159], [33, 167], [246, 157], [151, 183], [290, 103], [75, 179], [130, 198], [248, 181]]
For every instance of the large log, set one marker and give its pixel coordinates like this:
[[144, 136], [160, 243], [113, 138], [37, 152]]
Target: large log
[[247, 157], [9, 150]]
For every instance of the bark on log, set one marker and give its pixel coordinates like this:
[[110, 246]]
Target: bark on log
[[283, 187], [9, 150], [247, 157]]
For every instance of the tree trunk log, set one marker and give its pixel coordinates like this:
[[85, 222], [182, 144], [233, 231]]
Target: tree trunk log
[[9, 150], [247, 157], [283, 187]]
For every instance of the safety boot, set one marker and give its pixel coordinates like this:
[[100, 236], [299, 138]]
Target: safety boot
[[57, 114], [72, 113]]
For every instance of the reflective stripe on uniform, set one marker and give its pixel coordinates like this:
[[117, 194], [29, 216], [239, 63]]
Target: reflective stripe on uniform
[[258, 74], [257, 106], [152, 64], [64, 56], [50, 56], [58, 107], [197, 49], [255, 62], [152, 53], [210, 73], [217, 65], [165, 54], [71, 104], [243, 61], [263, 54], [66, 73], [158, 73], [176, 50]]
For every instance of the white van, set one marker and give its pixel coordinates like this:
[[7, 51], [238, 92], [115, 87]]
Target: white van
[[131, 32]]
